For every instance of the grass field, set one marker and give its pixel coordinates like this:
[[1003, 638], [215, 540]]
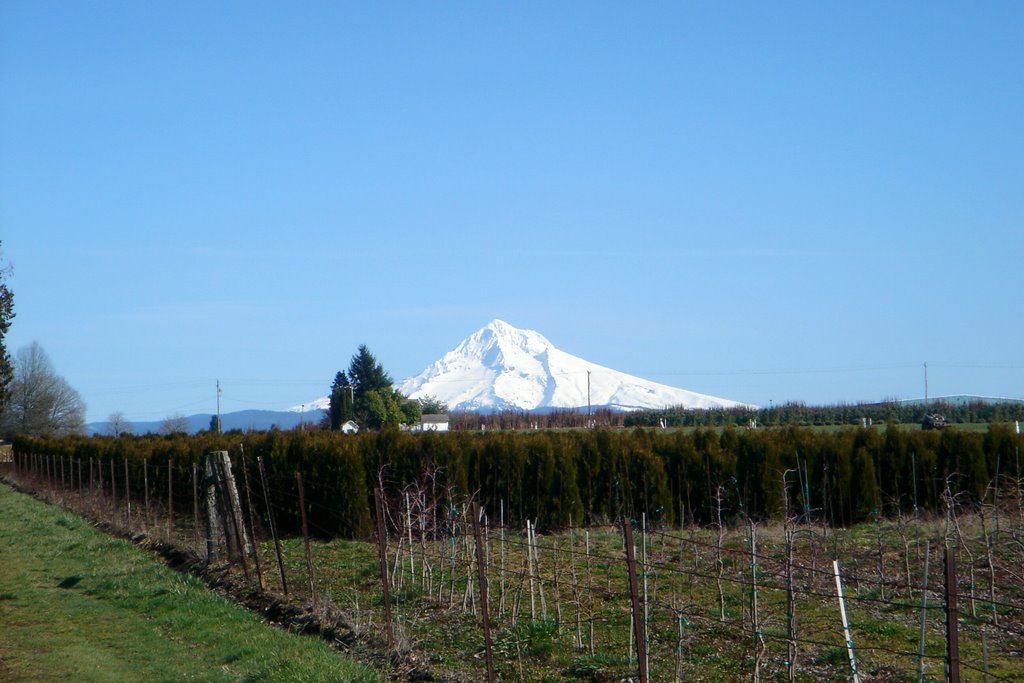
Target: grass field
[[77, 604], [559, 603]]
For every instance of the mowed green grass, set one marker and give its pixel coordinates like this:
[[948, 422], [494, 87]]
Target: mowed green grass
[[76, 604]]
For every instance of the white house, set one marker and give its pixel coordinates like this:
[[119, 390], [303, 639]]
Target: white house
[[434, 423], [349, 427]]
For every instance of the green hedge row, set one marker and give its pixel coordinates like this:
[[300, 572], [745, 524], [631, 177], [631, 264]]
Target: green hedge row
[[582, 476]]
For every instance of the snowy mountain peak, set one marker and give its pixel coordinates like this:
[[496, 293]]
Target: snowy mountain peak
[[501, 366], [498, 343]]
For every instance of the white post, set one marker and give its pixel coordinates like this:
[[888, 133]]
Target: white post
[[408, 524], [529, 565], [846, 625]]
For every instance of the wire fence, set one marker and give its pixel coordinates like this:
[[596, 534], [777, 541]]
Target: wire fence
[[903, 599]]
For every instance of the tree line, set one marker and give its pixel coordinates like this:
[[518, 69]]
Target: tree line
[[557, 478], [796, 413], [793, 413]]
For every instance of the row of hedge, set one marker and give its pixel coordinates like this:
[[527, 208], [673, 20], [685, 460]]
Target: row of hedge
[[584, 476]]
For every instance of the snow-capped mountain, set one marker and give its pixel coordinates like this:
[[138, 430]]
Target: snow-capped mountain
[[504, 367], [322, 403]]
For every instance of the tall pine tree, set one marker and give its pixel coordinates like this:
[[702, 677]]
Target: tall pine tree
[[6, 315], [366, 374]]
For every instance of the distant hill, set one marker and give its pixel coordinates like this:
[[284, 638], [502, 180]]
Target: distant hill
[[255, 420], [959, 400]]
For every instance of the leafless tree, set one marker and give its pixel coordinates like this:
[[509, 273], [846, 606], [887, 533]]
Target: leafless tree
[[117, 424], [42, 402], [174, 424]]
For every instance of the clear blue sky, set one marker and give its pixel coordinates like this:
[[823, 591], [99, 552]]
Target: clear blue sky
[[761, 201]]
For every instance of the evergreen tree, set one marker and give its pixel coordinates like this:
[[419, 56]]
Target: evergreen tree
[[6, 314], [371, 388], [366, 374]]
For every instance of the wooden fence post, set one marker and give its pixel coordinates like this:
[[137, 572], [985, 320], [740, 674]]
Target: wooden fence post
[[224, 511], [634, 595]]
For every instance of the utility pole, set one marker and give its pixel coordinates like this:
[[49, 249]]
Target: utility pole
[[218, 407], [588, 398], [926, 384]]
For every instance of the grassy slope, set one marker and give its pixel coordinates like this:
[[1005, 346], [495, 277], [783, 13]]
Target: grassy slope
[[76, 603]]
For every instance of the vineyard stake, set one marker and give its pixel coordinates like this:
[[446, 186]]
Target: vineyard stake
[[252, 522], [408, 526], [924, 613], [273, 524], [127, 497], [754, 617], [195, 507], [482, 579], [540, 579], [790, 616], [643, 567], [529, 564], [145, 489], [305, 537], [382, 555], [590, 590], [113, 494], [952, 638], [846, 625], [170, 499], [634, 596], [501, 574]]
